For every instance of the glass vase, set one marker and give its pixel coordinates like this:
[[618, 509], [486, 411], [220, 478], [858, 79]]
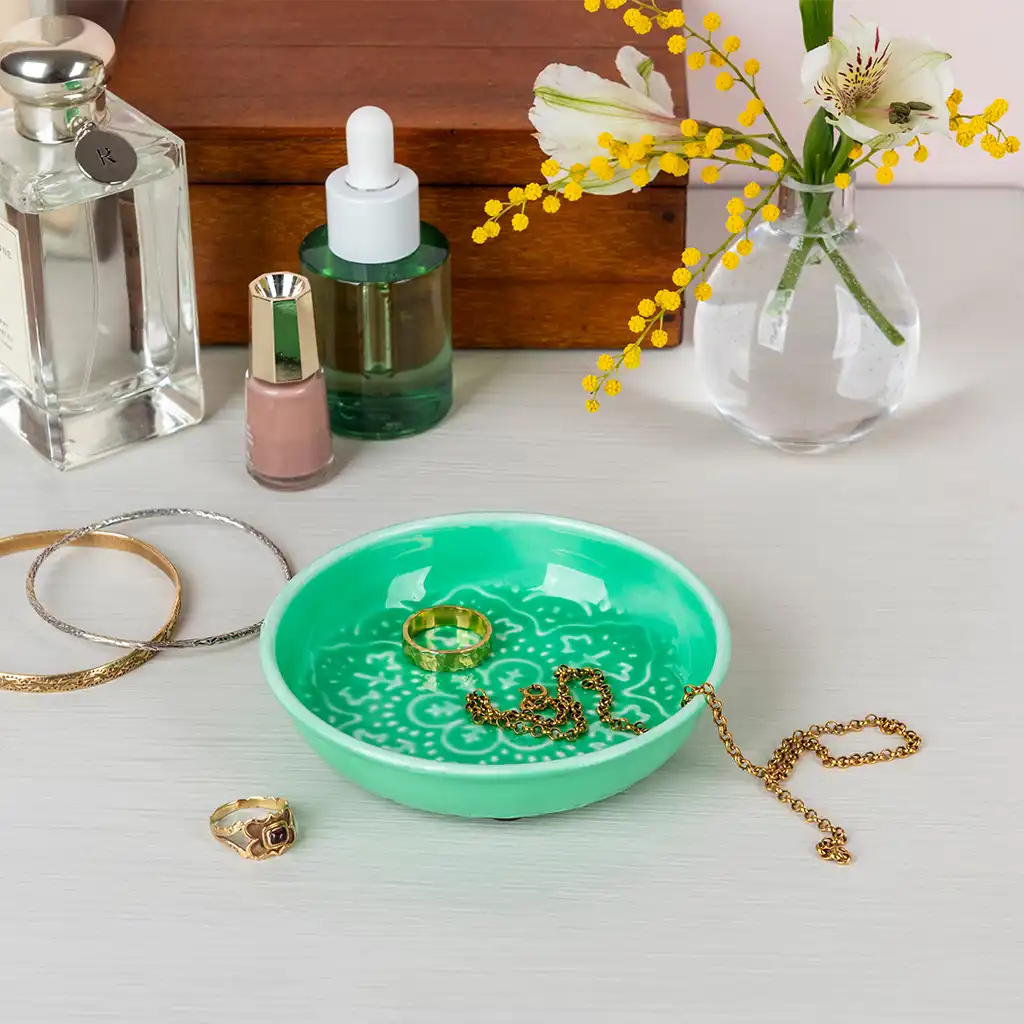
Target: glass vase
[[811, 341]]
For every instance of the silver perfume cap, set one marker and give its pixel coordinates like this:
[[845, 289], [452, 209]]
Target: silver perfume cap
[[282, 331], [55, 92]]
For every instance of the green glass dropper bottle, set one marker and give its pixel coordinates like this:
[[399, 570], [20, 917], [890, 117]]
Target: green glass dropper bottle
[[382, 292]]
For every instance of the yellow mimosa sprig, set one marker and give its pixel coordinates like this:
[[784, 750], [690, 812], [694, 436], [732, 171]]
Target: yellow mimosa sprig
[[672, 153], [969, 127], [648, 324], [638, 18], [718, 146]]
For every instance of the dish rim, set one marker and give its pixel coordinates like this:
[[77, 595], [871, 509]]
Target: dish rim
[[408, 762]]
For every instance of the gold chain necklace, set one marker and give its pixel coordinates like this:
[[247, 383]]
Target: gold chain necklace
[[833, 846], [537, 698]]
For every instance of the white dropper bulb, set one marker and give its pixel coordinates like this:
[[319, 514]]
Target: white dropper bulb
[[370, 140], [373, 204]]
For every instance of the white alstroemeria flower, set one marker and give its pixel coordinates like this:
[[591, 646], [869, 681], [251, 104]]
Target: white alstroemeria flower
[[878, 88], [572, 107]]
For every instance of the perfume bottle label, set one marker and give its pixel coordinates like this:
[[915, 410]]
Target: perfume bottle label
[[15, 343], [106, 157]]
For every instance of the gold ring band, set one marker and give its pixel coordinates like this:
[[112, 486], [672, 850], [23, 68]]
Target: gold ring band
[[258, 837], [64, 681], [431, 659]]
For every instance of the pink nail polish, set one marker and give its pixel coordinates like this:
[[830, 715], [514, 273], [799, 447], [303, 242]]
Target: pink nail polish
[[288, 433]]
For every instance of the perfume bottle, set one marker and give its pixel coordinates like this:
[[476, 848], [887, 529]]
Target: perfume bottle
[[382, 292], [288, 436], [98, 333]]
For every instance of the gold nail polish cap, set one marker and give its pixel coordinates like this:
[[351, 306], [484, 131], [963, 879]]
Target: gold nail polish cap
[[282, 331]]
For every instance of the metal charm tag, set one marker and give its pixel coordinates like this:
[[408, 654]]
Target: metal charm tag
[[105, 157]]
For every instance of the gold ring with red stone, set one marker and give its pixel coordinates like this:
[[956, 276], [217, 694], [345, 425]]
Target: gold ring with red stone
[[257, 837]]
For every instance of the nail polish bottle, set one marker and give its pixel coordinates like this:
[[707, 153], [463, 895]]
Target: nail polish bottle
[[382, 292], [288, 436]]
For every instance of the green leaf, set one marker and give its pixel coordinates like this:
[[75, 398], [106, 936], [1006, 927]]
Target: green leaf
[[818, 148], [840, 157], [817, 17]]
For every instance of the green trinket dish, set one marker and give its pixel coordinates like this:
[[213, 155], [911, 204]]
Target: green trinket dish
[[556, 592]]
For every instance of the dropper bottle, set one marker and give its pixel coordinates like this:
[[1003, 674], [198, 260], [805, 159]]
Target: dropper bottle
[[382, 292]]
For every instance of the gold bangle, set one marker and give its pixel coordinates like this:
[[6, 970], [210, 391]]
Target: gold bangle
[[256, 838], [112, 669], [431, 659]]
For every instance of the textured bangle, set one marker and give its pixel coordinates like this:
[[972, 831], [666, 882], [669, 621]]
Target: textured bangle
[[112, 670], [154, 644]]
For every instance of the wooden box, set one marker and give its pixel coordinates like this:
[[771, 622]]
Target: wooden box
[[260, 91]]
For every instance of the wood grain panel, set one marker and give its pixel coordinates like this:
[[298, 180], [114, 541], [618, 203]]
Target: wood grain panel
[[221, 24], [261, 90], [451, 156], [570, 281]]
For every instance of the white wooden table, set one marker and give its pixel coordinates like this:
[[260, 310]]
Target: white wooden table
[[884, 579]]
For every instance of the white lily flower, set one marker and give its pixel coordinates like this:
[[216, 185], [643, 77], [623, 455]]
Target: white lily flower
[[878, 88], [572, 107]]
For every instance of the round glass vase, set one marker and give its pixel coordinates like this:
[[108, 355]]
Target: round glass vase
[[811, 341]]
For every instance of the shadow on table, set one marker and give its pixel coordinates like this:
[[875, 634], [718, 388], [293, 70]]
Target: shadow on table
[[667, 425], [944, 418], [473, 374]]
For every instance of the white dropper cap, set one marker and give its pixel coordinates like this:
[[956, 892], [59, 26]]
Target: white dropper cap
[[373, 204]]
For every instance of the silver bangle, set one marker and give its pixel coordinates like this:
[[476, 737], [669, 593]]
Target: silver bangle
[[149, 645]]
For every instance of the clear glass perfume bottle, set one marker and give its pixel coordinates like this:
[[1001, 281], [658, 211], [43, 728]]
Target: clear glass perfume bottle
[[98, 333], [382, 293]]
